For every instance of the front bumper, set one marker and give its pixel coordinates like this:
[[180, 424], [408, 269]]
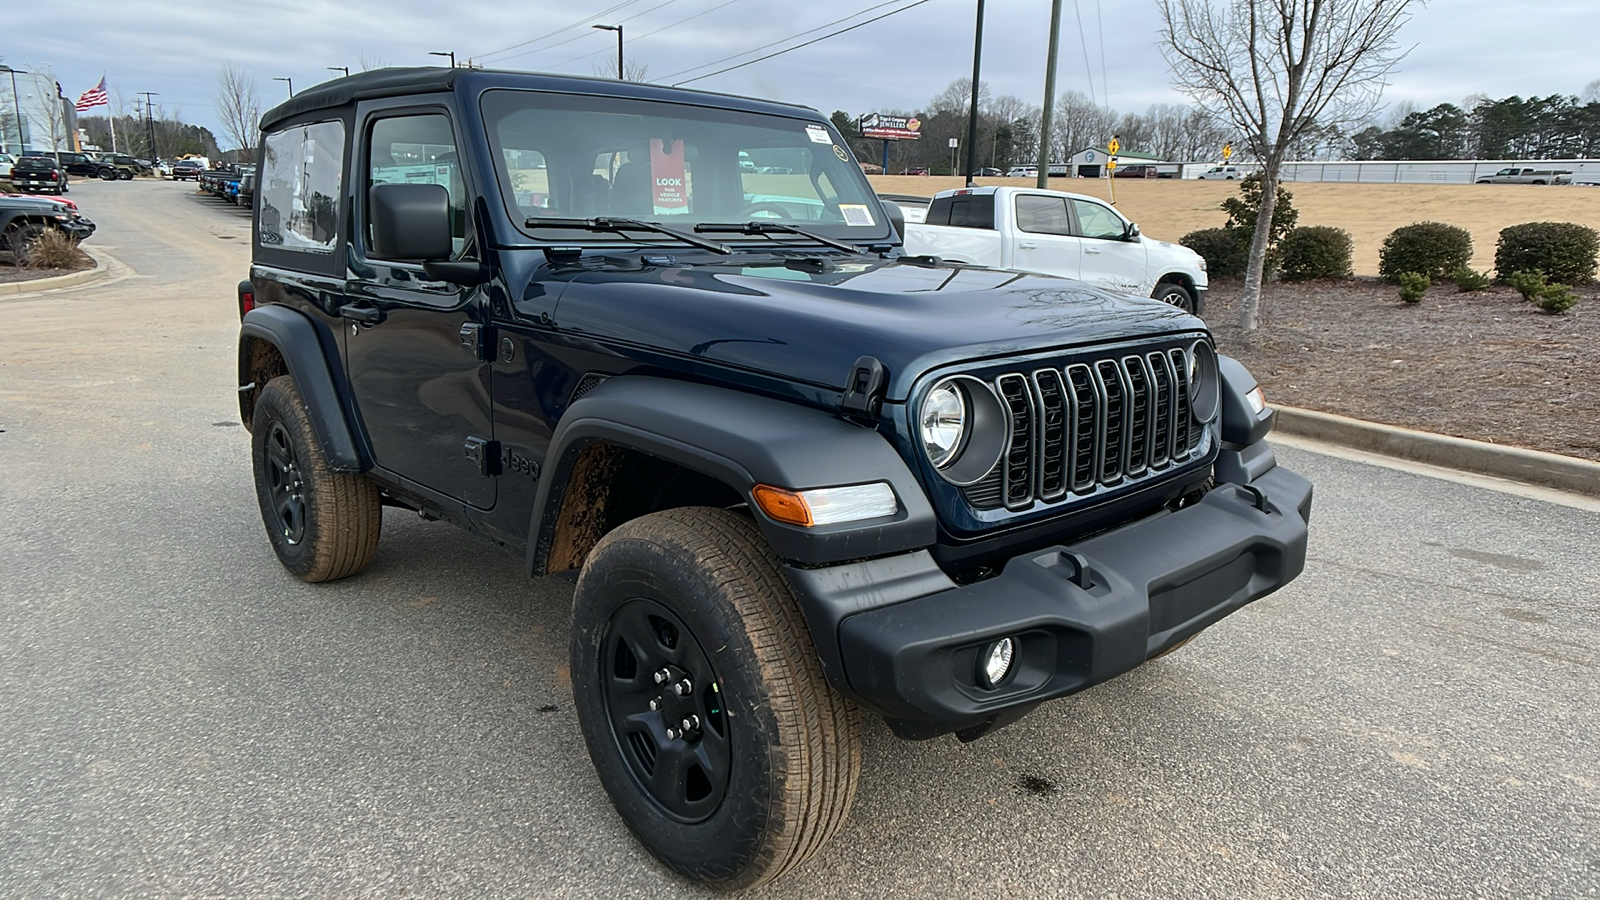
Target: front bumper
[[901, 638], [1200, 294]]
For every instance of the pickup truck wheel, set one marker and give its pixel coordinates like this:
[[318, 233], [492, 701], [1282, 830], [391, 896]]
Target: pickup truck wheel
[[107, 174], [323, 525], [704, 707], [1175, 294]]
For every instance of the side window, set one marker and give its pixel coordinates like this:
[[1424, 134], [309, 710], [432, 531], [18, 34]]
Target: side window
[[301, 179], [1042, 215], [419, 150], [1096, 221]]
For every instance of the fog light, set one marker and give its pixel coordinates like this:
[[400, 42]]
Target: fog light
[[1257, 400], [997, 661]]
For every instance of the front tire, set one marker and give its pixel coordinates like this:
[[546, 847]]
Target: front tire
[[323, 524], [685, 616], [1176, 295]]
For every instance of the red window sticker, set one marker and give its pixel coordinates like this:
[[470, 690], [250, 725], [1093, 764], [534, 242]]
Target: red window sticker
[[670, 193]]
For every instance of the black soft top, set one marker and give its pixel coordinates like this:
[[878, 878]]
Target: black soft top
[[426, 79]]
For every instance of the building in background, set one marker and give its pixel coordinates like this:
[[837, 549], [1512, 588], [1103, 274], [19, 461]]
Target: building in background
[[33, 114]]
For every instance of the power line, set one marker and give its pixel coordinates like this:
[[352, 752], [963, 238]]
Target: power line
[[646, 34], [1105, 83], [775, 43], [580, 37], [1088, 67], [806, 44], [565, 28]]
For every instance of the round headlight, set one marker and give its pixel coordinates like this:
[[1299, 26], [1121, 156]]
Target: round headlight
[[1204, 397], [943, 423]]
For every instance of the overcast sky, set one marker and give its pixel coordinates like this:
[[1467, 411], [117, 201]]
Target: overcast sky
[[1462, 47]]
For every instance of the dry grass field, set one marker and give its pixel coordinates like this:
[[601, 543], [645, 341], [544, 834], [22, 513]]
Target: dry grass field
[[1168, 210]]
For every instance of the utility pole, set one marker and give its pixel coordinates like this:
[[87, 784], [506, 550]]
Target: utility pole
[[150, 122], [16, 105], [972, 117], [449, 53], [622, 74], [1049, 95]]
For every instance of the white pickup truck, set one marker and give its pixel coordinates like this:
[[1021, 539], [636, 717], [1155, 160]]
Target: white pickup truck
[[1055, 233], [1528, 175]]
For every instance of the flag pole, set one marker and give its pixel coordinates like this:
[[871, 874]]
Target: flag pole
[[113, 118]]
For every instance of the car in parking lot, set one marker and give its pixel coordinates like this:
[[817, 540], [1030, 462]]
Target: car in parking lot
[[38, 174], [1221, 173], [187, 170], [799, 474], [25, 220]]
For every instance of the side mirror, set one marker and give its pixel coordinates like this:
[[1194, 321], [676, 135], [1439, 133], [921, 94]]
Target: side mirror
[[896, 217], [1131, 233], [410, 221]]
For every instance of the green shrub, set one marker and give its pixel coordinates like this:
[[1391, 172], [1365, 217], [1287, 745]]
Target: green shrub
[[1243, 210], [1534, 288], [1468, 279], [1433, 249], [1225, 257], [1412, 286], [1315, 251], [1564, 251]]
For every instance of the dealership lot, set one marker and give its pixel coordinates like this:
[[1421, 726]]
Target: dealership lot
[[1414, 717]]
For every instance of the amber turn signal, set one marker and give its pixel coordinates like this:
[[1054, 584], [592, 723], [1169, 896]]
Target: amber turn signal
[[784, 506]]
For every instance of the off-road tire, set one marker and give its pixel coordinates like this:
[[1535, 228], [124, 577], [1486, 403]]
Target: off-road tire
[[22, 238], [793, 743], [334, 534], [1175, 295], [107, 174]]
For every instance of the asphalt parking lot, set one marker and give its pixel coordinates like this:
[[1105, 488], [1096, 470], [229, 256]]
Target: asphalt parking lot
[[1415, 717]]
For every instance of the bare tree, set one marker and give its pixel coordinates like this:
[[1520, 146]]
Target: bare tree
[[1591, 92], [239, 106], [368, 63], [1079, 123], [636, 71], [1275, 68]]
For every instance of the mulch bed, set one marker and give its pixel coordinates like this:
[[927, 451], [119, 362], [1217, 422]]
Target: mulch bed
[[1485, 365], [10, 271]]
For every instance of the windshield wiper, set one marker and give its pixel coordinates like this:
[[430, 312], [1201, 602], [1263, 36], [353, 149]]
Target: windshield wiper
[[617, 226], [769, 228]]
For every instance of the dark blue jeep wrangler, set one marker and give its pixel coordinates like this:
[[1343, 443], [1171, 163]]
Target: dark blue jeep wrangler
[[667, 340]]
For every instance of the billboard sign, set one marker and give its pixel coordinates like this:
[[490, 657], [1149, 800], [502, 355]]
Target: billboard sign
[[891, 128]]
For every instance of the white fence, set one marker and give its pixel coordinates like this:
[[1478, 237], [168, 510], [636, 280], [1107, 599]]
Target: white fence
[[1432, 171]]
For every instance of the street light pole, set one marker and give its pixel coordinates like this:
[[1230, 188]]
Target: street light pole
[[16, 105], [1049, 95], [150, 123], [449, 53], [291, 83], [972, 118], [621, 72]]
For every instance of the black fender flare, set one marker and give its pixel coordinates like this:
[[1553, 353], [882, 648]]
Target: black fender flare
[[741, 440], [312, 360]]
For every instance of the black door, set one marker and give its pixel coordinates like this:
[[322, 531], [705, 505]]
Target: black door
[[413, 359]]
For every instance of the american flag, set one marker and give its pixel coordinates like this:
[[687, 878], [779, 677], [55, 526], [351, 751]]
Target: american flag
[[95, 96]]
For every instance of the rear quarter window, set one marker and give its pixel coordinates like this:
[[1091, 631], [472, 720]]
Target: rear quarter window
[[301, 180]]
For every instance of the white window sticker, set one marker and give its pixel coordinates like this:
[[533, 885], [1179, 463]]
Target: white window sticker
[[818, 134], [855, 213]]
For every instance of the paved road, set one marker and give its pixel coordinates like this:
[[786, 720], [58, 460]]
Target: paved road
[[1415, 717]]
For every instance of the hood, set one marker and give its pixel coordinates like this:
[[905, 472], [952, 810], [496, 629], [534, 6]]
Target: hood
[[809, 323]]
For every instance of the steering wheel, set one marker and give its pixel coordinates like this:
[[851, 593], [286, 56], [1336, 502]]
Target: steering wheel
[[764, 211]]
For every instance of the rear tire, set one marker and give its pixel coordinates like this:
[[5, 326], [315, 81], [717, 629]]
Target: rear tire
[[22, 239], [323, 525], [768, 774]]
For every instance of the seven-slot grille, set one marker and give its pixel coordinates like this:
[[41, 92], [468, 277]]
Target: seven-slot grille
[[1088, 425]]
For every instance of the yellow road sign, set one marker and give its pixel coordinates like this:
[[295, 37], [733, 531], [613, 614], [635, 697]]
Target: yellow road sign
[[1111, 163], [1227, 150], [1114, 146]]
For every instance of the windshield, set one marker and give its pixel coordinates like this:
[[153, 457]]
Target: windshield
[[568, 156]]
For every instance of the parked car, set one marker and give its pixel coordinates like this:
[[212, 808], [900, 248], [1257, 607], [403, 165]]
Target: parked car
[[915, 170], [1023, 172], [1056, 233], [24, 220], [187, 170], [800, 476], [38, 174], [246, 193], [127, 166], [1137, 170], [989, 172], [1528, 175], [84, 166], [6, 160], [1221, 173]]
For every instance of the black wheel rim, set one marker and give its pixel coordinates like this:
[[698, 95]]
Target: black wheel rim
[[1180, 299], [664, 706], [286, 485]]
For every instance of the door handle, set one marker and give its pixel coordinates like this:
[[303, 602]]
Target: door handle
[[366, 315], [1093, 250], [1027, 246]]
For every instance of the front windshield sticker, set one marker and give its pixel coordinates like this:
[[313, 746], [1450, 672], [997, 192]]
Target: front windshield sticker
[[844, 156], [818, 134], [855, 214], [671, 196]]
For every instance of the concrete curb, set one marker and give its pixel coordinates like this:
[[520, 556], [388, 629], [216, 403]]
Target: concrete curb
[[71, 279], [1580, 476]]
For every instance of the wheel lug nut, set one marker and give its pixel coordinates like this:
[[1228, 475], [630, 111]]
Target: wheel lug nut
[[662, 675], [672, 734], [691, 723], [684, 687], [655, 704]]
